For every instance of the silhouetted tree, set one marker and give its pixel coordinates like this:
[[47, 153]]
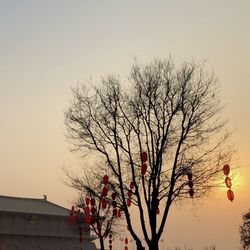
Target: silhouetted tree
[[103, 215], [162, 133], [245, 231]]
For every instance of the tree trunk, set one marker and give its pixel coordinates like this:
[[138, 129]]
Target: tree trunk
[[139, 246], [102, 244], [154, 245]]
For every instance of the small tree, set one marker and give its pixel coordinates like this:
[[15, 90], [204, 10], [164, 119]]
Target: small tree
[[161, 133], [245, 231], [98, 201]]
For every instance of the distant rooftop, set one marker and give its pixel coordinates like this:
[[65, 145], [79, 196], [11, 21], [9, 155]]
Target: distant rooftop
[[31, 205]]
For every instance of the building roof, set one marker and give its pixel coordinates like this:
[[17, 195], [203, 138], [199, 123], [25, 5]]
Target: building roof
[[31, 206]]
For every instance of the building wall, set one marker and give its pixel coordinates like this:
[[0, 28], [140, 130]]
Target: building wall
[[31, 232]]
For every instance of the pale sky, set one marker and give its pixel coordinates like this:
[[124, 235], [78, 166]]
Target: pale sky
[[48, 46]]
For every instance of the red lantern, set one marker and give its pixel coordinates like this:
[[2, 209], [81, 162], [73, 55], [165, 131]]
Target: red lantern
[[87, 201], [191, 192], [115, 212], [125, 248], [126, 240], [110, 247], [87, 210], [110, 242], [93, 210], [230, 194], [143, 168], [131, 185], [144, 156], [119, 213], [113, 196], [105, 179], [226, 169], [129, 193], [104, 203], [228, 182], [105, 191], [128, 202], [92, 202], [110, 236]]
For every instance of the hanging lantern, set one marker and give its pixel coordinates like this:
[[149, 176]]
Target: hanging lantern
[[190, 184], [104, 203], [143, 168], [105, 179], [132, 185], [126, 241], [110, 247], [87, 201], [226, 169], [113, 196], [190, 176], [128, 202], [93, 210], [230, 194], [129, 193], [144, 156], [92, 202], [88, 219], [126, 248], [191, 192], [87, 210], [119, 213], [115, 212], [105, 191], [228, 182]]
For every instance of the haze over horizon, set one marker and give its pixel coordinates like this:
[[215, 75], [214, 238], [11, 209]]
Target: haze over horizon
[[47, 47]]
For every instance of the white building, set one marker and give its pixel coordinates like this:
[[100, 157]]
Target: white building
[[32, 224]]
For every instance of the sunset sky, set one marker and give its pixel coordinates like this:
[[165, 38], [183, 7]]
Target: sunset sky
[[48, 46]]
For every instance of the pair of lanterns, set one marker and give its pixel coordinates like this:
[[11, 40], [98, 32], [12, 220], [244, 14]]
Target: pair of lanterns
[[228, 182], [125, 242], [190, 184], [74, 215], [129, 193], [144, 158], [90, 212]]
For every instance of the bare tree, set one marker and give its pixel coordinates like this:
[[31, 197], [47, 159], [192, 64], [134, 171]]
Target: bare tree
[[245, 231], [162, 132], [100, 206]]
